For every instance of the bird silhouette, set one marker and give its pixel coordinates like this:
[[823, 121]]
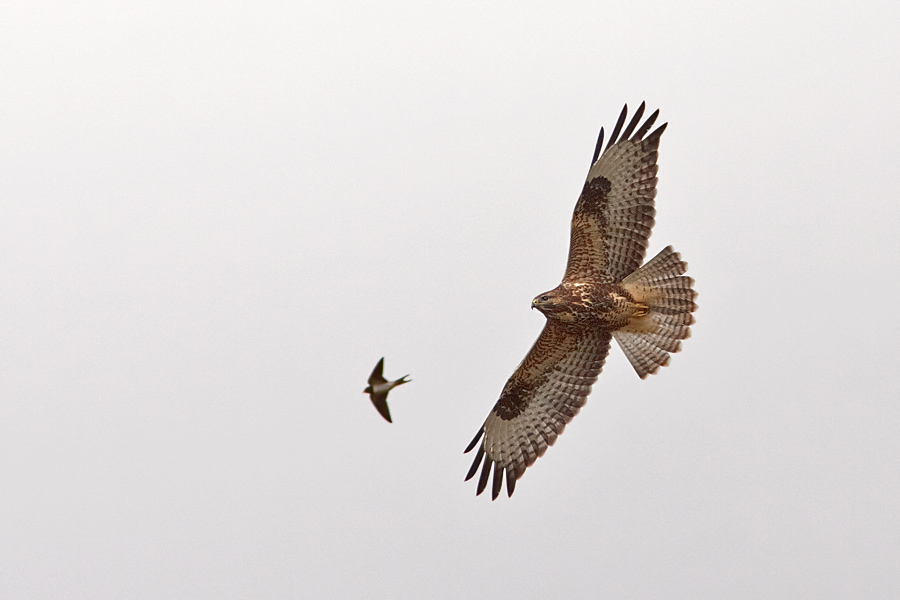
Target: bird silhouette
[[379, 387]]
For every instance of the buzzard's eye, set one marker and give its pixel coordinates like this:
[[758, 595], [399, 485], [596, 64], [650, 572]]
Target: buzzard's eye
[[545, 298]]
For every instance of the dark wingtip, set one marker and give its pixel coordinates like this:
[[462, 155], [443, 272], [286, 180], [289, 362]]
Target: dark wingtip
[[598, 147], [485, 472], [498, 481], [618, 128], [640, 133], [475, 463], [510, 482], [654, 137], [474, 441], [634, 121]]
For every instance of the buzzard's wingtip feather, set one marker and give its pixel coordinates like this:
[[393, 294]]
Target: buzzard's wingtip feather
[[640, 133], [510, 482], [474, 441], [475, 463], [657, 133], [634, 121], [598, 147], [498, 481], [618, 127], [485, 472]]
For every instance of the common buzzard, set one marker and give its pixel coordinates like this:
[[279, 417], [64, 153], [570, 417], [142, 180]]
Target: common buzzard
[[605, 293]]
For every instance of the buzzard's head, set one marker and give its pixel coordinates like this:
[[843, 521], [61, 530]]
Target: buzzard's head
[[554, 305]]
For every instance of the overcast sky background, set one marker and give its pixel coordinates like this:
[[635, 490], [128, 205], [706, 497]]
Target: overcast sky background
[[216, 217]]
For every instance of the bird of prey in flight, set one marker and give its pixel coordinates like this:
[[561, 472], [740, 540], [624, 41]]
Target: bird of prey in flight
[[605, 293], [379, 387]]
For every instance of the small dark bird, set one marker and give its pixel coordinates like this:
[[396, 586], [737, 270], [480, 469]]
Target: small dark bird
[[379, 387]]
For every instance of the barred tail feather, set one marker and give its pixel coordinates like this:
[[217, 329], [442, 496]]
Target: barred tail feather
[[668, 294]]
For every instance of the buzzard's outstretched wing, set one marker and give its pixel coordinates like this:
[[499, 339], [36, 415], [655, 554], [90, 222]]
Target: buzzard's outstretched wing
[[544, 393], [614, 215]]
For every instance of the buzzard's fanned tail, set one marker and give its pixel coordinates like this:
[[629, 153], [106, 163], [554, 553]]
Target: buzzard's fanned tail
[[669, 296]]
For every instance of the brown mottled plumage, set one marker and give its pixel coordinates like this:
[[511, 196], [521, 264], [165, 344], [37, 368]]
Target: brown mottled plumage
[[605, 293]]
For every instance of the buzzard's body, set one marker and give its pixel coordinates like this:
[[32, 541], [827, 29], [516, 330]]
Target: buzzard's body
[[605, 293]]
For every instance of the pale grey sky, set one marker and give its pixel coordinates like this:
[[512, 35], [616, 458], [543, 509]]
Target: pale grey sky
[[216, 217]]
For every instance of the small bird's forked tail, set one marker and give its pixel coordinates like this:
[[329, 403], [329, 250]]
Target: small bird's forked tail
[[669, 296]]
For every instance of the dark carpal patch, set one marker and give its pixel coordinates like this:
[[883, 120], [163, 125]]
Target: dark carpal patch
[[512, 401], [601, 183], [595, 194]]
